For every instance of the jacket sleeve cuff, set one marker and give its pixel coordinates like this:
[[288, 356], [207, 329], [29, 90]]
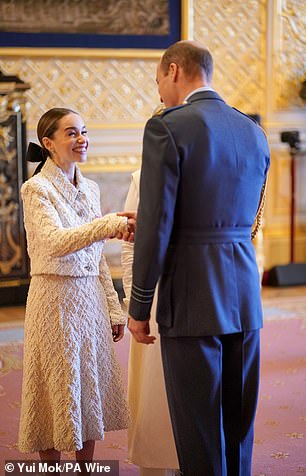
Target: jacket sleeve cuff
[[140, 311]]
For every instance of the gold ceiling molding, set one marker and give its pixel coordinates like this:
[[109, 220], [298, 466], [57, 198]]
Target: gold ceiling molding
[[119, 53]]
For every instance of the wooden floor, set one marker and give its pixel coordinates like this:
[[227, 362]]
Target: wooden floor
[[16, 313]]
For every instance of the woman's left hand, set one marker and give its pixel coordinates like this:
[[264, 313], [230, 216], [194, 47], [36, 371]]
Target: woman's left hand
[[117, 332]]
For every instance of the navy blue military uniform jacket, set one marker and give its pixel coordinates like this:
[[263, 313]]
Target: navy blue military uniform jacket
[[204, 165]]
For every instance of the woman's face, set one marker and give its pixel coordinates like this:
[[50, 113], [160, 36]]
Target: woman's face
[[70, 141]]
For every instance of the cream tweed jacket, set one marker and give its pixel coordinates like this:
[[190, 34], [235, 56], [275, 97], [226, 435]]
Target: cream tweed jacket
[[65, 230]]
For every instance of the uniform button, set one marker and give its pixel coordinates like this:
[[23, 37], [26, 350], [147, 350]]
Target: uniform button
[[81, 213]]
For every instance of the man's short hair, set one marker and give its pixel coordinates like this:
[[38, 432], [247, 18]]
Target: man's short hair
[[193, 58]]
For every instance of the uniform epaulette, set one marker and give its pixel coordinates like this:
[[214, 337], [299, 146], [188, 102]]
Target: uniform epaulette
[[252, 119], [162, 111], [246, 115]]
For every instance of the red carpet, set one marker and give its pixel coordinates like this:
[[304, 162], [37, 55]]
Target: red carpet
[[280, 448], [280, 442]]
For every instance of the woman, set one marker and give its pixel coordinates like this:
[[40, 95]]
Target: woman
[[150, 438], [72, 391]]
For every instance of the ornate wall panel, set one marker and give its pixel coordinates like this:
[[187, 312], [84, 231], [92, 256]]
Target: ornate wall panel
[[258, 48], [235, 32], [13, 259], [278, 207], [289, 53], [277, 213], [104, 91], [285, 111], [277, 250]]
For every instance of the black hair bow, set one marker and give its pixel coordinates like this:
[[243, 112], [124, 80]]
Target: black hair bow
[[35, 153]]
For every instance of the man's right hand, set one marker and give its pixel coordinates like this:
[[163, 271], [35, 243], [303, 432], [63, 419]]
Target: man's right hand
[[129, 235], [140, 330]]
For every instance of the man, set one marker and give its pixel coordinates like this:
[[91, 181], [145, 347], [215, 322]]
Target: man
[[203, 170]]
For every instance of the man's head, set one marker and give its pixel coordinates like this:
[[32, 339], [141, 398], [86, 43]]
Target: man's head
[[185, 66]]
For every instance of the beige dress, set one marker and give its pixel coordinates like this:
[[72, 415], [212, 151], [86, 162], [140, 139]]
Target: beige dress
[[150, 438], [72, 390]]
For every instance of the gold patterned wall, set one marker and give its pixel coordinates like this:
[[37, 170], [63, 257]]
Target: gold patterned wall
[[104, 91], [258, 48], [107, 90], [235, 32], [286, 111], [289, 58]]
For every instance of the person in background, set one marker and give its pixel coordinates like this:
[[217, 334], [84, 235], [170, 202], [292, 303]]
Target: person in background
[[204, 166], [150, 437], [72, 391]]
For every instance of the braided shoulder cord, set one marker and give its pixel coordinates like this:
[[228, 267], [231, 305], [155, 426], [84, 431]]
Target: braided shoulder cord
[[260, 211]]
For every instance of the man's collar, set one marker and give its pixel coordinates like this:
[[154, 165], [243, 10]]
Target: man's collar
[[198, 90]]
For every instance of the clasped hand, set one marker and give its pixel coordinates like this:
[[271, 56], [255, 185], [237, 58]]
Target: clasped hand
[[129, 234]]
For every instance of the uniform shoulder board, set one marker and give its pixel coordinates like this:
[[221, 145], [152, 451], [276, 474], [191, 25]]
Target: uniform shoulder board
[[174, 108], [162, 111], [249, 116], [158, 110], [254, 117]]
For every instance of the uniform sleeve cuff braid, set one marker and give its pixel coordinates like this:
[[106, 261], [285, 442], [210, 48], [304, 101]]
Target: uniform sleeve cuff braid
[[140, 311]]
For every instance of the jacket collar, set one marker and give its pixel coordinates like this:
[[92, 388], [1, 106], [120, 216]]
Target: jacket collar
[[200, 95], [59, 180]]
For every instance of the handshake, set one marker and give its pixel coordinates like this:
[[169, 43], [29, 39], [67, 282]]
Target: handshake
[[129, 234]]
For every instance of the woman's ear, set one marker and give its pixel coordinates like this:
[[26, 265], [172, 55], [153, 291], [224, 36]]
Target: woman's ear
[[47, 143]]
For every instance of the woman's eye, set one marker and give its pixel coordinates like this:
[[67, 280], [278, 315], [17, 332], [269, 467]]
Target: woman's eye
[[72, 133], [84, 133]]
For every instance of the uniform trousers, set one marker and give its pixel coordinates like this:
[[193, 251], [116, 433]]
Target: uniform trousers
[[212, 387]]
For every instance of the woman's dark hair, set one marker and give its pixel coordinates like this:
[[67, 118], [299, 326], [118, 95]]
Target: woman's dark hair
[[46, 127], [48, 123]]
